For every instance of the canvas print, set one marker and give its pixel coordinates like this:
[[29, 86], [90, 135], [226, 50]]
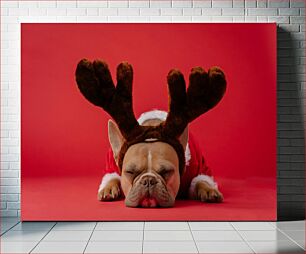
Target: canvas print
[[148, 121]]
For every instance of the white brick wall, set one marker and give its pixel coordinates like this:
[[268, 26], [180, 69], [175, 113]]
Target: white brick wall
[[289, 14]]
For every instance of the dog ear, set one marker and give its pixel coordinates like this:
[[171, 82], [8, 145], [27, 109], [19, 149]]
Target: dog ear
[[115, 138], [184, 138]]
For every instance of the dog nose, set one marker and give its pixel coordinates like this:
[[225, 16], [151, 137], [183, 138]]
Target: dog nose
[[148, 181]]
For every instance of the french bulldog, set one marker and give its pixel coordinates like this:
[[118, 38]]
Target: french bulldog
[[153, 160], [150, 174]]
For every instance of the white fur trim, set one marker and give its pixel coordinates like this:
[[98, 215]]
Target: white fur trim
[[201, 178], [153, 114], [162, 115], [187, 155], [108, 177]]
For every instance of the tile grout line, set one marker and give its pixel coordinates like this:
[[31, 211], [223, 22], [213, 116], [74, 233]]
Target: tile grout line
[[291, 239], [143, 231], [193, 237], [10, 228], [247, 243], [90, 237], [42, 238]]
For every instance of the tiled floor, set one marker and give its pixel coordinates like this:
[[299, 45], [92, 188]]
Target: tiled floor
[[152, 237]]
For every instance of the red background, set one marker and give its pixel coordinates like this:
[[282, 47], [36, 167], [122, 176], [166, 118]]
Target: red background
[[64, 137]]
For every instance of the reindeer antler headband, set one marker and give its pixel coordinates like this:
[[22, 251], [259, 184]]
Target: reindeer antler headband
[[204, 92]]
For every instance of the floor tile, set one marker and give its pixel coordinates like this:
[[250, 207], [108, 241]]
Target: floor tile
[[291, 225], [69, 236], [114, 247], [216, 236], [223, 247], [297, 236], [276, 247], [169, 247], [198, 225], [60, 247], [17, 247], [104, 235], [23, 236], [33, 226], [252, 225], [74, 226], [273, 235], [120, 225], [167, 235], [166, 225]]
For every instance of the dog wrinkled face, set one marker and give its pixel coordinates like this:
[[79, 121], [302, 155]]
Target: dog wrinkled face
[[150, 171], [150, 175]]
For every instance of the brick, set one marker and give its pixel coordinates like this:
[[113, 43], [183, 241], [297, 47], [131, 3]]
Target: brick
[[38, 11], [76, 12], [290, 126], [181, 19], [262, 3], [239, 19], [291, 134], [28, 4], [139, 4], [128, 11], [294, 198], [108, 11], [250, 3], [10, 189], [211, 11], [238, 3], [291, 182], [150, 12], [289, 28], [92, 4], [9, 4], [291, 150], [47, 4], [202, 3], [9, 197], [9, 173], [67, 4], [297, 3], [289, 11], [297, 142], [201, 19], [92, 19], [18, 12], [118, 4], [279, 20], [297, 158], [222, 3], [288, 94], [160, 19], [278, 3], [233, 12], [181, 3], [291, 174], [171, 11], [192, 11], [57, 12], [222, 19], [297, 20], [92, 11], [9, 181], [262, 12], [291, 189], [160, 4], [3, 205], [9, 213], [250, 19], [13, 205]]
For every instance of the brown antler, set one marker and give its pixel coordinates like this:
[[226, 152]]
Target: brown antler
[[204, 92], [95, 83]]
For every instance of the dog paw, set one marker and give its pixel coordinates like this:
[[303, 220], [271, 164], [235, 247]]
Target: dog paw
[[206, 193], [110, 192]]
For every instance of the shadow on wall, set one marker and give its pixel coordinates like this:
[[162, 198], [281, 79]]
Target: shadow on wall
[[290, 129]]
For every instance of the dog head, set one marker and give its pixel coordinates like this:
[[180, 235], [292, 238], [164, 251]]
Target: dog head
[[150, 171]]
